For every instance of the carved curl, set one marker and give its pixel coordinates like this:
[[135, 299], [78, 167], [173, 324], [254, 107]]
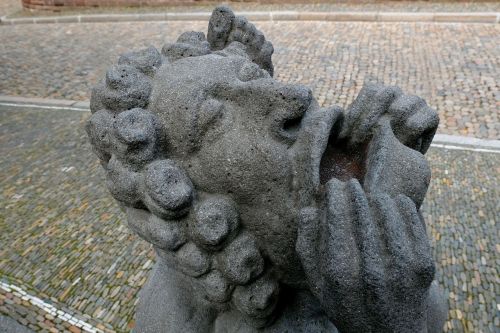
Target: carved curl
[[198, 233]]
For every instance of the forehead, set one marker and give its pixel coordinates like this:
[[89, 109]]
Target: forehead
[[186, 96], [187, 80]]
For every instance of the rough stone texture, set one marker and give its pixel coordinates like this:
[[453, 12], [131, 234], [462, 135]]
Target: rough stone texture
[[64, 220], [327, 200]]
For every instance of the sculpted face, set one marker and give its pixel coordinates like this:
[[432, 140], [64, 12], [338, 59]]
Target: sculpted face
[[235, 177], [233, 129]]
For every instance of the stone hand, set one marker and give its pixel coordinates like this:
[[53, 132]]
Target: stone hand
[[413, 122], [367, 259], [393, 130]]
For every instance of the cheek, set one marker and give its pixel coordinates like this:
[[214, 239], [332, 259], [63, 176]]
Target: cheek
[[248, 167]]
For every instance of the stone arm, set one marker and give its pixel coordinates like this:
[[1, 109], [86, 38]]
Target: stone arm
[[366, 253]]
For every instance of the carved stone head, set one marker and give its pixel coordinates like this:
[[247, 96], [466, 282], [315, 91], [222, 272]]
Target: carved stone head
[[214, 160]]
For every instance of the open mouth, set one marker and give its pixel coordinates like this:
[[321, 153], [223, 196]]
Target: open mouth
[[341, 162], [320, 154], [345, 161]]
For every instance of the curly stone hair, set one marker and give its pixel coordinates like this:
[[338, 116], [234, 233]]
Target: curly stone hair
[[198, 233]]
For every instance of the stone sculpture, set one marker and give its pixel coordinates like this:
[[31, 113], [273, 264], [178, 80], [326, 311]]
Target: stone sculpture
[[267, 212]]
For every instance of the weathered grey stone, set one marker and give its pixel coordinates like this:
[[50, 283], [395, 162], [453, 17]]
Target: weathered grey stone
[[125, 87], [168, 190], [136, 132], [258, 299], [267, 212], [215, 220], [147, 60], [241, 260], [192, 260], [217, 288], [123, 183], [189, 44], [166, 235]]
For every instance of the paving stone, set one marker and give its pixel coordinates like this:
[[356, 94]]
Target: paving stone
[[9, 6], [74, 329], [262, 6], [454, 67]]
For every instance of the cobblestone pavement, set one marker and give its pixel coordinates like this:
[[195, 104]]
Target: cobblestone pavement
[[455, 67], [10, 325], [9, 6], [327, 6], [61, 233], [63, 240]]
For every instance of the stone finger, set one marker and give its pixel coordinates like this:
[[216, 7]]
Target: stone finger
[[367, 238], [355, 111], [414, 122], [422, 262], [393, 228], [421, 127], [377, 107], [342, 255]]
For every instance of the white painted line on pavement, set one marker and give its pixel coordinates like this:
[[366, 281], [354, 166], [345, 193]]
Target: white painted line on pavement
[[44, 107], [481, 150], [459, 140], [49, 308]]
